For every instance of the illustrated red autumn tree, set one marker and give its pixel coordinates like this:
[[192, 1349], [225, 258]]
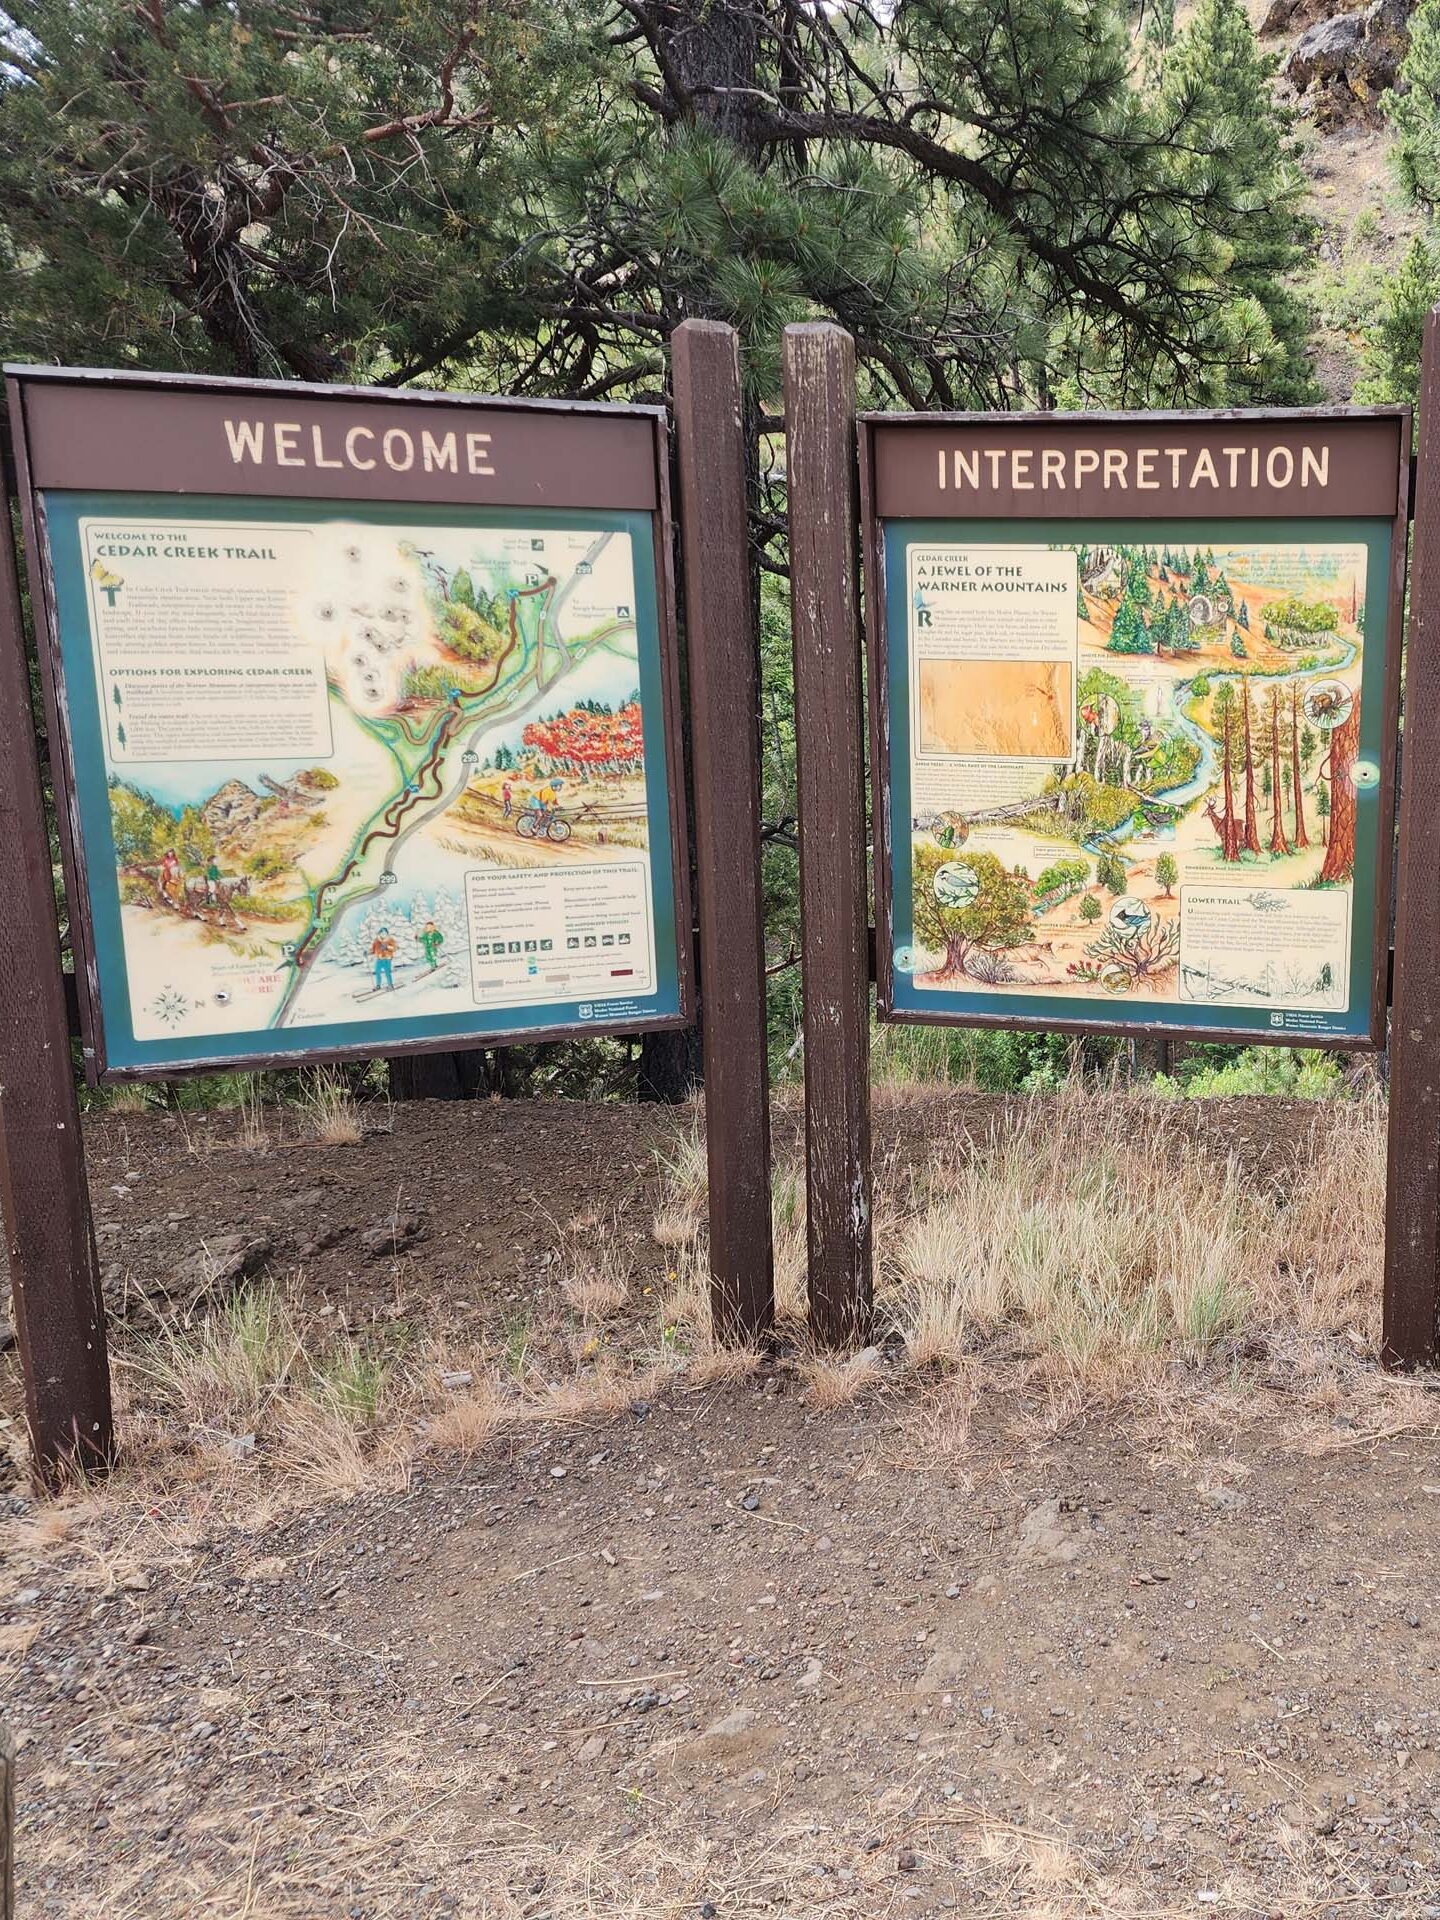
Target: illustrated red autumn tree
[[586, 742]]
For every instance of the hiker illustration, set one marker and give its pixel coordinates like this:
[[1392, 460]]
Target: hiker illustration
[[212, 879], [170, 873], [382, 952], [507, 800], [431, 940]]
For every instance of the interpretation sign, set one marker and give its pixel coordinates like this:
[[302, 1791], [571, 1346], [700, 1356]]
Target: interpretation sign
[[367, 716], [1137, 688]]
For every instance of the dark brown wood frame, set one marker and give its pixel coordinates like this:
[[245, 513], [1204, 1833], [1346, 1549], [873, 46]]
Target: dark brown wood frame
[[38, 556], [872, 535], [1412, 1197], [819, 368]]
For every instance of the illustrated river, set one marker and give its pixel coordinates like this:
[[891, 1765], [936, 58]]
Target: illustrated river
[[1208, 765]]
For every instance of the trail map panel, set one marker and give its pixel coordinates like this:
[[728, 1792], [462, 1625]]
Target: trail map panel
[[1139, 769], [351, 775]]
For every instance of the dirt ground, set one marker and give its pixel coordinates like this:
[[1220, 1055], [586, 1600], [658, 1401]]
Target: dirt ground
[[965, 1646]]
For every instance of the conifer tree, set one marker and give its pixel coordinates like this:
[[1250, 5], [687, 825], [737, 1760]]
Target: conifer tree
[[995, 202], [1217, 63]]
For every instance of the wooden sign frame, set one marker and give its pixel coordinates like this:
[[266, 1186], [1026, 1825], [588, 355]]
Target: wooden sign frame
[[908, 469], [174, 436]]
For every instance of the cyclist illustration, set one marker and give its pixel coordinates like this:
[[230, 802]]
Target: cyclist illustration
[[540, 818]]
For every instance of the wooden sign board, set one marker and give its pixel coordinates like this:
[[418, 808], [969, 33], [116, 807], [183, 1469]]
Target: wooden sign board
[[1135, 686], [365, 715]]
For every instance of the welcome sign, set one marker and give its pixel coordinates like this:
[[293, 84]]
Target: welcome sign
[[366, 710]]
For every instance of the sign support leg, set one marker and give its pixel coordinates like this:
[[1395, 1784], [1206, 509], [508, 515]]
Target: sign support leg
[[54, 1268], [829, 735], [1412, 1201], [723, 656]]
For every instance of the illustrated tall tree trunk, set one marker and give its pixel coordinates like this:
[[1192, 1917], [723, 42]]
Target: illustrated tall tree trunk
[[1340, 851], [1302, 838], [1252, 831], [1278, 842], [1230, 826]]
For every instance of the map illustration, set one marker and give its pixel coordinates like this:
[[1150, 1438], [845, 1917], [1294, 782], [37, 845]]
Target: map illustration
[[362, 771], [1134, 771]]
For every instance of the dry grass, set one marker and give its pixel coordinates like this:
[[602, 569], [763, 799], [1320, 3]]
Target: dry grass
[[252, 1136], [1099, 1232], [328, 1110], [1094, 1251], [834, 1380]]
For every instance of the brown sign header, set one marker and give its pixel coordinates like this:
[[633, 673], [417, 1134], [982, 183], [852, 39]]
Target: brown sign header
[[171, 435], [1160, 466]]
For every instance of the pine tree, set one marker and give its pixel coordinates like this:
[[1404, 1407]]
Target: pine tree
[[1414, 109], [530, 197], [1390, 350], [1246, 140]]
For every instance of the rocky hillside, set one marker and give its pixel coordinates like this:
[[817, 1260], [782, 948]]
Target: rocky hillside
[[1336, 63]]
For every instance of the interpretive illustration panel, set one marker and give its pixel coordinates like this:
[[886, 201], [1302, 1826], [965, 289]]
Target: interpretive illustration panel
[[1134, 769], [356, 774]]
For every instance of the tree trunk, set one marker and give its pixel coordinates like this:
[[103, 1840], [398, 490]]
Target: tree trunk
[[1302, 838], [1230, 828], [670, 1068], [1278, 842], [1340, 852], [1252, 834], [473, 1075], [714, 50]]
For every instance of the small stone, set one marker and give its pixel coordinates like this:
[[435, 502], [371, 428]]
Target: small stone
[[731, 1725], [810, 1679], [7, 1336], [906, 1860], [1325, 1821]]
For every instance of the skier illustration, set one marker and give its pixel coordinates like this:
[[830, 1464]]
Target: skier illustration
[[382, 952], [431, 940]]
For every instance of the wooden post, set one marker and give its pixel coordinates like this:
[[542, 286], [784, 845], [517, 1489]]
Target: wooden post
[[7, 1825], [829, 744], [54, 1269], [1412, 1200], [722, 649]]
